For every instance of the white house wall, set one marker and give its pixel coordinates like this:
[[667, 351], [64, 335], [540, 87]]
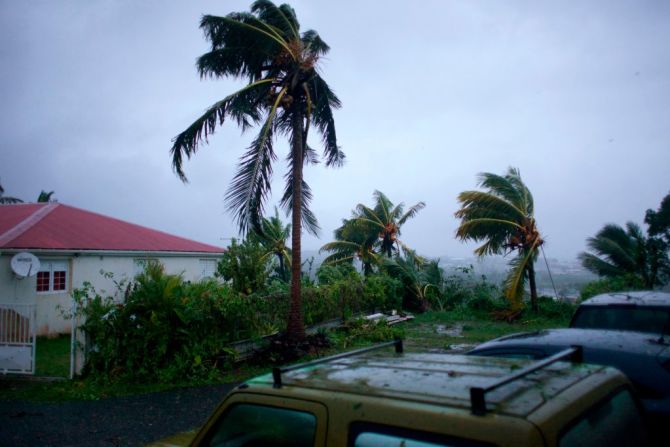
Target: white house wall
[[83, 267]]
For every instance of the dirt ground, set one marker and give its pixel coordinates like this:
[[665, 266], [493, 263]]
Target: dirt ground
[[120, 421]]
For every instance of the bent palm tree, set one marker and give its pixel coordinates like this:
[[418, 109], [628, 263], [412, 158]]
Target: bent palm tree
[[285, 95], [502, 216], [618, 252]]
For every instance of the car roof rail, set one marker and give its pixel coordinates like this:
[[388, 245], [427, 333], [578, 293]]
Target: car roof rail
[[277, 371], [478, 394]]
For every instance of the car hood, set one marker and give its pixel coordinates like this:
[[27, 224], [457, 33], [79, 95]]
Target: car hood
[[179, 440]]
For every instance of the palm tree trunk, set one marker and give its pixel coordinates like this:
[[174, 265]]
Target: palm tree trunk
[[295, 329], [533, 287]]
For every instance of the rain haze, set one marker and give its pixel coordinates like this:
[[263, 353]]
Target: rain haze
[[574, 94]]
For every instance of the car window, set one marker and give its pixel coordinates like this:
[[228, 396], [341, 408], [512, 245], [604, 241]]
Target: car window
[[374, 435], [625, 318], [250, 425], [613, 422]]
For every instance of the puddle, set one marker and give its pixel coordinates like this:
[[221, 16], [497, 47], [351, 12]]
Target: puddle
[[449, 331]]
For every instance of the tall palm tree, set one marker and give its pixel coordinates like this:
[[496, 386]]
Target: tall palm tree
[[618, 251], [273, 237], [7, 199], [285, 95], [352, 242], [502, 217]]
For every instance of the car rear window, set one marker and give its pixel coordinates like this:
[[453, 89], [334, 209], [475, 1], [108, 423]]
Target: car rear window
[[624, 318], [363, 434], [253, 425], [614, 422]]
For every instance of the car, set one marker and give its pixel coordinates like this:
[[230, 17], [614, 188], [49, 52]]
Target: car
[[644, 358], [641, 311], [370, 397]]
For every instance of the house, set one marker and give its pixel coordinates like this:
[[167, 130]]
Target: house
[[74, 246]]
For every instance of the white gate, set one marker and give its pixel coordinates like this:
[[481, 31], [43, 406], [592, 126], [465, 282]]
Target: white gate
[[17, 338]]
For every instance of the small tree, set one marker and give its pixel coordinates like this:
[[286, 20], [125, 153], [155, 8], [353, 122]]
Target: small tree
[[245, 266]]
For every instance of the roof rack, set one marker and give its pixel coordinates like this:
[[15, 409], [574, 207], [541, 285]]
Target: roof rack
[[477, 394], [277, 371]]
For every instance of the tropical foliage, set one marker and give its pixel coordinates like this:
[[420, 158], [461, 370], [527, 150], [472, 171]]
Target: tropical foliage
[[285, 95], [619, 252], [502, 217], [371, 233]]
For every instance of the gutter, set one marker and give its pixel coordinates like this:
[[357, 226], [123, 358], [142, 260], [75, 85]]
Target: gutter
[[120, 253]]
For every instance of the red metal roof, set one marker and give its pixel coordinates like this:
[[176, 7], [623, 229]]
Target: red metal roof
[[54, 226]]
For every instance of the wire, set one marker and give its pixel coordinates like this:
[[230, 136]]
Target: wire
[[549, 271]]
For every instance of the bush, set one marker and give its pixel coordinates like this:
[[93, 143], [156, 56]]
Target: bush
[[555, 309], [616, 284]]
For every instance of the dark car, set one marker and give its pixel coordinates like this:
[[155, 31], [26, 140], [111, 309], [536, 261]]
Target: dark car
[[644, 358], [644, 311]]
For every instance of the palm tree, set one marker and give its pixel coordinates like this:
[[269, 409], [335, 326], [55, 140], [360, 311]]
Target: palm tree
[[273, 238], [45, 196], [502, 217], [386, 220], [285, 95], [6, 199], [352, 242], [618, 252], [370, 233]]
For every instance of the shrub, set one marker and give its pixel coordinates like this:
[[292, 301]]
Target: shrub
[[615, 284]]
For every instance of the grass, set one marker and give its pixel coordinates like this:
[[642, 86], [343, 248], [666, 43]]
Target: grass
[[53, 356], [448, 330], [427, 332]]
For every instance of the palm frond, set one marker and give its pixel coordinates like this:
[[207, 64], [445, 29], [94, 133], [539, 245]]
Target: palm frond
[[186, 143], [279, 17], [324, 101], [477, 204], [308, 219], [313, 43], [251, 184], [413, 211], [516, 279]]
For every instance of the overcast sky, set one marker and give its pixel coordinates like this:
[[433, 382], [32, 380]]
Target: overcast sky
[[575, 94]]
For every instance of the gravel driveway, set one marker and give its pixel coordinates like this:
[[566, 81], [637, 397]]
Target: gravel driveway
[[120, 421]]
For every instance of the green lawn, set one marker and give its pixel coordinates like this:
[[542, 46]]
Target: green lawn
[[449, 330], [53, 356]]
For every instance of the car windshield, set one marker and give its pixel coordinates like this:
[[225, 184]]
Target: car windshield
[[623, 318]]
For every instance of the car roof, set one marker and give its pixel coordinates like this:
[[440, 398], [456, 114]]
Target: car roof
[[639, 298], [593, 339], [438, 379]]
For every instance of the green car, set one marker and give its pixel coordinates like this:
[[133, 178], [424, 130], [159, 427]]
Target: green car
[[374, 398]]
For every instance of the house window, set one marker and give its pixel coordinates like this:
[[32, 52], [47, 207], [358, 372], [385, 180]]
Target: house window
[[52, 276], [207, 268]]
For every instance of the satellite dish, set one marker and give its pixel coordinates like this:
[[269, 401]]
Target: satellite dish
[[25, 264]]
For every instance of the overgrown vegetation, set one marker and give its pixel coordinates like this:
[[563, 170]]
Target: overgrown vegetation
[[167, 329]]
